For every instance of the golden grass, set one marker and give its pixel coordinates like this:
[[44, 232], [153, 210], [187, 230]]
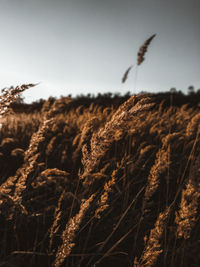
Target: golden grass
[[125, 76], [70, 230], [132, 170], [103, 139], [99, 185], [10, 95], [186, 216], [140, 56], [152, 244], [143, 49]]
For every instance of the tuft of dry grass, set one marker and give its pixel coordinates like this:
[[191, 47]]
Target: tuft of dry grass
[[102, 202], [57, 216], [33, 153], [125, 76], [143, 49], [160, 166], [186, 216], [193, 126], [152, 244], [71, 228], [140, 56], [103, 139], [32, 156], [10, 95]]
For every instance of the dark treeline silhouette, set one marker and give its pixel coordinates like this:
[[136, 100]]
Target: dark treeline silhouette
[[170, 98]]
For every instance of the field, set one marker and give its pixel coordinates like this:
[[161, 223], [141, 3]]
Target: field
[[106, 181]]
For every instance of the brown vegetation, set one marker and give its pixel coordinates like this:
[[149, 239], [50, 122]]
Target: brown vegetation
[[110, 183]]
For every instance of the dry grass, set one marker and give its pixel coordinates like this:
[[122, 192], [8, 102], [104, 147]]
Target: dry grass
[[103, 139], [103, 201], [125, 76], [71, 228], [186, 216], [100, 184], [152, 244], [143, 49], [140, 56], [10, 95], [127, 166]]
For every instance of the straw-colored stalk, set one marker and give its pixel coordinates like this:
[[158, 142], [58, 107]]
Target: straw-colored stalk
[[125, 76], [8, 186], [187, 215], [70, 230], [103, 139], [153, 244], [32, 154], [143, 50], [140, 56], [31, 159], [10, 95], [193, 126], [57, 216], [103, 202], [160, 166]]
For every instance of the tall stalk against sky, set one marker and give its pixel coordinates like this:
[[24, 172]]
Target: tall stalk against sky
[[140, 58]]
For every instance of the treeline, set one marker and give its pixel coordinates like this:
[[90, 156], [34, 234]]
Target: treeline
[[171, 98]]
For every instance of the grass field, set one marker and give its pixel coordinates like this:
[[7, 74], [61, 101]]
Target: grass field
[[101, 182]]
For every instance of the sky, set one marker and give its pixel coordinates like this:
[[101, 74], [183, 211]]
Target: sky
[[85, 46]]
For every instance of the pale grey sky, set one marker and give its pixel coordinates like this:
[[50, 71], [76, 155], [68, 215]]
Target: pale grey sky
[[85, 46]]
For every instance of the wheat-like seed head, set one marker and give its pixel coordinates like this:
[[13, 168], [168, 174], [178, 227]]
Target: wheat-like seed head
[[186, 216], [103, 139], [152, 245], [70, 230], [9, 95], [125, 76], [143, 50], [102, 203]]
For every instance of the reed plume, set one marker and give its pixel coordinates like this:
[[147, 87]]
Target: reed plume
[[57, 216], [160, 166], [32, 156], [193, 126], [143, 50], [102, 203], [71, 228], [186, 216], [125, 76], [103, 139], [153, 244], [140, 56], [33, 153], [10, 95]]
